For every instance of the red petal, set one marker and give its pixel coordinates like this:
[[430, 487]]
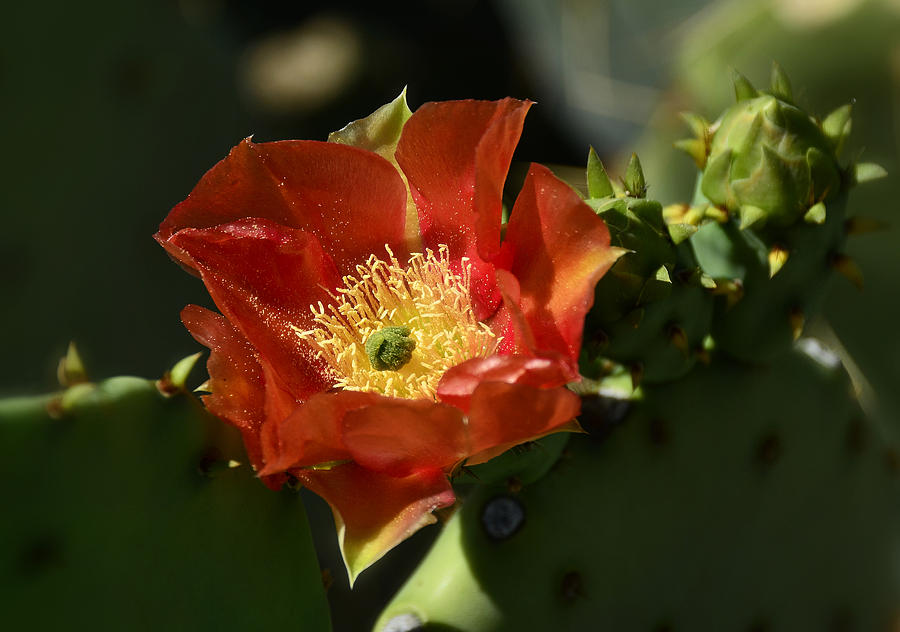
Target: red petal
[[312, 435], [508, 322], [460, 382], [504, 415], [239, 391], [353, 200], [264, 277], [560, 250], [400, 437], [375, 512], [456, 155]]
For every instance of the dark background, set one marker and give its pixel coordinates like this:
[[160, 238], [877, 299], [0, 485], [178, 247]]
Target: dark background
[[112, 111]]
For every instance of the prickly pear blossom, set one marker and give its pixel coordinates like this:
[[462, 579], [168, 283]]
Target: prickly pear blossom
[[376, 332]]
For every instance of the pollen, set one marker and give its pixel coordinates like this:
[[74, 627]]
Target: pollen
[[425, 300]]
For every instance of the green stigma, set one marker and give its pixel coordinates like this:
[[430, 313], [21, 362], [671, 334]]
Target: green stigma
[[390, 348]]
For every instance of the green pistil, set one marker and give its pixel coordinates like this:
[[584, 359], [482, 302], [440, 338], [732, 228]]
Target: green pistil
[[390, 348]]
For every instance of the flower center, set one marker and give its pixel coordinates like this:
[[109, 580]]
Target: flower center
[[395, 329], [390, 348]]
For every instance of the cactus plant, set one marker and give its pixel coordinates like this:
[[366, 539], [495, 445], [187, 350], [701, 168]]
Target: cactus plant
[[651, 312], [121, 503], [775, 170], [752, 493], [712, 506]]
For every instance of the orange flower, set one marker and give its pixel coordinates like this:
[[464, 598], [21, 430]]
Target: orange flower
[[378, 329]]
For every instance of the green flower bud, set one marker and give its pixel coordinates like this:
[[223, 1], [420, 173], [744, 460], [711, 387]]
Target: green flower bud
[[770, 162]]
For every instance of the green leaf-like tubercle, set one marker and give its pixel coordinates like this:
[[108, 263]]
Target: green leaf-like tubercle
[[378, 132], [743, 89], [634, 177], [780, 84], [390, 348], [598, 182], [837, 126], [868, 171]]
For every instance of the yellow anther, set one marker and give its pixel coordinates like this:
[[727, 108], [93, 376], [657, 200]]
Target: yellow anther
[[426, 297]]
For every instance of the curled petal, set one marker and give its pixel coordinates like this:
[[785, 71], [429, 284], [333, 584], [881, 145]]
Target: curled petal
[[374, 512], [509, 321], [263, 277], [460, 382], [239, 390], [560, 250], [352, 200], [400, 437], [312, 434], [503, 415]]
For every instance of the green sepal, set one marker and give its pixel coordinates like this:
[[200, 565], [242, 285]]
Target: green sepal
[[714, 184], [816, 214], [751, 215], [837, 126], [695, 148], [175, 379], [680, 232], [774, 186], [823, 173], [380, 131], [867, 172], [780, 85], [743, 89], [598, 182], [70, 370], [699, 125], [634, 178], [650, 212]]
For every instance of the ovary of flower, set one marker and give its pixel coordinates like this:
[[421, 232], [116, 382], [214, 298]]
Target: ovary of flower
[[426, 297]]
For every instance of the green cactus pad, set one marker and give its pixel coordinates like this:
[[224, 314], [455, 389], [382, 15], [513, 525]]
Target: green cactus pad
[[122, 513], [737, 499]]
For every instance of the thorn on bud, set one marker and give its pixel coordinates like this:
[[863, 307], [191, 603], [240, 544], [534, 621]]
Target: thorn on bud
[[862, 225], [867, 172], [778, 256], [796, 320], [70, 370], [598, 182], [743, 89], [678, 338], [637, 375], [780, 85], [751, 216], [572, 586], [768, 451], [846, 267], [634, 178], [815, 214]]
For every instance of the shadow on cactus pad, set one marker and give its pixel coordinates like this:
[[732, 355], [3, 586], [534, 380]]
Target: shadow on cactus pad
[[768, 507], [122, 513]]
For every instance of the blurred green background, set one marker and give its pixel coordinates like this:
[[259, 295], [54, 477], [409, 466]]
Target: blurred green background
[[113, 110]]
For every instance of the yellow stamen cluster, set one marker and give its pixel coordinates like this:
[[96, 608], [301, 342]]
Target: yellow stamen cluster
[[426, 297]]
